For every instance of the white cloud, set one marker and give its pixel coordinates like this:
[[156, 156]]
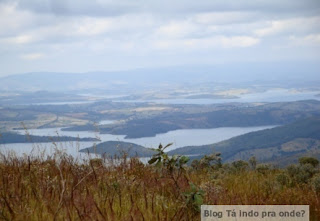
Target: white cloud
[[312, 40], [176, 29], [294, 25], [13, 21], [93, 26], [239, 41], [21, 39], [32, 56], [223, 18], [110, 30], [219, 42]]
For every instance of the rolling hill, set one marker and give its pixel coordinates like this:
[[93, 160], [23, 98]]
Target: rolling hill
[[278, 113], [10, 137], [112, 148], [281, 144]]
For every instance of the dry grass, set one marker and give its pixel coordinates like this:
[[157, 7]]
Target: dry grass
[[126, 189]]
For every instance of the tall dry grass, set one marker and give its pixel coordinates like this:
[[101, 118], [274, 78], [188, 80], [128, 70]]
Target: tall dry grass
[[61, 188]]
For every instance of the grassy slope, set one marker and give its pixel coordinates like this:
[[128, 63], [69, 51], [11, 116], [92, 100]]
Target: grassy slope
[[9, 137], [32, 189], [262, 140], [111, 148], [243, 116]]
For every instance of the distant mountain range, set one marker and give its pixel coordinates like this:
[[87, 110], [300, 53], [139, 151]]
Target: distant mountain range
[[275, 74]]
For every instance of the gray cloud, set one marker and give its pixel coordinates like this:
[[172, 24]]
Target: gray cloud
[[75, 8], [120, 7], [97, 34]]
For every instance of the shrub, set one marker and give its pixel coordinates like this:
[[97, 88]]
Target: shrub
[[263, 168], [315, 183], [309, 160], [283, 179], [240, 165], [96, 162], [194, 197], [212, 160], [161, 159], [253, 163], [301, 173]]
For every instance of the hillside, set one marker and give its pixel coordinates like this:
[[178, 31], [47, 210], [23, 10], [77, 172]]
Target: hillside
[[299, 138], [111, 148], [9, 137], [278, 113], [131, 79]]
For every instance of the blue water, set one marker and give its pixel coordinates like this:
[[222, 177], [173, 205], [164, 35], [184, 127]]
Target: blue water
[[276, 95], [179, 138]]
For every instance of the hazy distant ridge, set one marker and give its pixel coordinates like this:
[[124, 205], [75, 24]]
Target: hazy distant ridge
[[275, 73]]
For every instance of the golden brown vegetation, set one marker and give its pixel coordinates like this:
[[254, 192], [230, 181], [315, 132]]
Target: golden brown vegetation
[[126, 189]]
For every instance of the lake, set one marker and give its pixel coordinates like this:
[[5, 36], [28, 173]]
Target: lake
[[106, 122], [275, 95], [62, 102], [179, 138]]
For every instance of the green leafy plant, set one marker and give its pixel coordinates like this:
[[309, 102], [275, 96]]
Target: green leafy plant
[[194, 197], [162, 159], [212, 160]]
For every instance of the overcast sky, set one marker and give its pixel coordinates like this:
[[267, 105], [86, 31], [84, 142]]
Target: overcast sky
[[90, 35]]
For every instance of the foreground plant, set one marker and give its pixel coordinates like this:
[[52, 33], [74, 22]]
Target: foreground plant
[[125, 189]]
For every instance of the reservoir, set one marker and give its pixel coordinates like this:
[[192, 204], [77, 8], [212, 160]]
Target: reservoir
[[179, 138], [275, 95], [272, 95]]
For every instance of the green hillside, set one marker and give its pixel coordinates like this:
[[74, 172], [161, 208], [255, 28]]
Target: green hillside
[[299, 138], [10, 137], [278, 113], [111, 148]]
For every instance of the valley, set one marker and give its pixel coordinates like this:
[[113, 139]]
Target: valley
[[189, 115], [160, 110], [281, 145]]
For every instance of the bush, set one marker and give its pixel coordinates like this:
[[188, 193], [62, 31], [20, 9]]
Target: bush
[[212, 160], [253, 163], [162, 160], [301, 173], [315, 183], [309, 160], [240, 165], [194, 197], [263, 168], [96, 162], [283, 179]]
